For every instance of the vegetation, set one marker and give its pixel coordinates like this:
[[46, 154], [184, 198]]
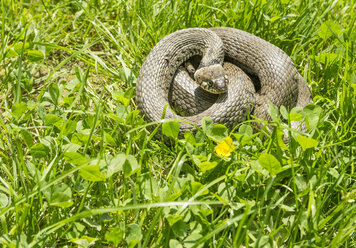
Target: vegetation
[[79, 168]]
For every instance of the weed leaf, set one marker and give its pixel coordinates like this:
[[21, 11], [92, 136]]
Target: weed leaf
[[173, 243], [11, 53], [172, 219], [61, 196], [3, 200], [217, 133], [207, 124], [92, 173], [114, 235], [328, 29], [306, 142], [270, 163], [192, 239], [35, 55], [245, 130], [74, 158], [126, 163], [295, 117], [54, 93], [312, 114], [84, 241], [180, 229], [55, 120], [133, 235], [27, 137], [19, 109], [205, 166], [18, 47], [272, 111], [39, 150], [171, 129], [69, 127], [284, 112]]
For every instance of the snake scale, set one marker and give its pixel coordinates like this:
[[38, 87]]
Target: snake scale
[[229, 58]]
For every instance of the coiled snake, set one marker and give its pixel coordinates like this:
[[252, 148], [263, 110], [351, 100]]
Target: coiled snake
[[162, 81]]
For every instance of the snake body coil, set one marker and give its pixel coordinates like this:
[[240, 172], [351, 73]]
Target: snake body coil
[[279, 80]]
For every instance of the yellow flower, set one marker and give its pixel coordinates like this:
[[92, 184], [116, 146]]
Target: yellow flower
[[225, 147]]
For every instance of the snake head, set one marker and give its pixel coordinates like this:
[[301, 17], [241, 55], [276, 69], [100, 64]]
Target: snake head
[[212, 78]]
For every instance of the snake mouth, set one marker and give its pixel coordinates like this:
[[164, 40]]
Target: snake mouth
[[212, 78], [215, 86]]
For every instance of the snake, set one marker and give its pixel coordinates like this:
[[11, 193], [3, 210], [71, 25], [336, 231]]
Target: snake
[[219, 72]]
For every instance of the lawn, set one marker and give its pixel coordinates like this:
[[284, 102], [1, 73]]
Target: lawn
[[79, 168]]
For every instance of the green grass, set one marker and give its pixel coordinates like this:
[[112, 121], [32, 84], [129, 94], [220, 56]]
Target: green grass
[[78, 168]]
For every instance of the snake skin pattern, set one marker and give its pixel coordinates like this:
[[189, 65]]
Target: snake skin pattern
[[162, 81]]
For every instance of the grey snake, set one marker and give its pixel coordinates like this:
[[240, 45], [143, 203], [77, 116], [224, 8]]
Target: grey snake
[[227, 60]]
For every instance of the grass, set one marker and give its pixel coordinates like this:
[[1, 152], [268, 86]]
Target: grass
[[78, 167]]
